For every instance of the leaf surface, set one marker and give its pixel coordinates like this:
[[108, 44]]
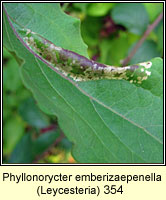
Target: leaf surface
[[28, 149], [133, 16]]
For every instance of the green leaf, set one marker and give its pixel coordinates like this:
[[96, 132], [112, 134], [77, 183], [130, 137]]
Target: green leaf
[[6, 54], [28, 149], [12, 81], [49, 21], [108, 121], [153, 9], [91, 33], [81, 6], [147, 51], [44, 141], [113, 51], [159, 33], [32, 114], [132, 114], [131, 15], [155, 83], [12, 132], [99, 9], [22, 152]]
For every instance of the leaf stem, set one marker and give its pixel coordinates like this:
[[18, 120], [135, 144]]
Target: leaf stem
[[139, 43]]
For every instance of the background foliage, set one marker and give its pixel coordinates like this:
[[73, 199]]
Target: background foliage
[[110, 30]]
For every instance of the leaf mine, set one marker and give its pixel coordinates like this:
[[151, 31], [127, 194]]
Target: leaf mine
[[80, 68]]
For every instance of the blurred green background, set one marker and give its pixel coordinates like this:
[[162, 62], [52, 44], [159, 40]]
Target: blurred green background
[[110, 30]]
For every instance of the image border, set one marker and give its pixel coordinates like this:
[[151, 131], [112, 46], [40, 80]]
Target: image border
[[83, 164]]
